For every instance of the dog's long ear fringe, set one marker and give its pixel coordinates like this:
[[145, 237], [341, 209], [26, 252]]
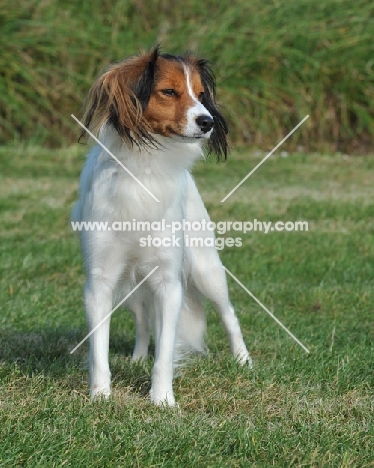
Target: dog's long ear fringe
[[218, 141], [119, 98]]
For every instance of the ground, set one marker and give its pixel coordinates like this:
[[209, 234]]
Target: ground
[[292, 409]]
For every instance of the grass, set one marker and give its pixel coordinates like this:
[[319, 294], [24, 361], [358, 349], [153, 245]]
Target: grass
[[293, 409], [275, 62]]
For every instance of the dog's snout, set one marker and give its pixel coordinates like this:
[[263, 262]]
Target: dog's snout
[[205, 122]]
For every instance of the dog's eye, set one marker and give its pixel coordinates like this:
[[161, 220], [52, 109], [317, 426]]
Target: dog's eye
[[169, 92]]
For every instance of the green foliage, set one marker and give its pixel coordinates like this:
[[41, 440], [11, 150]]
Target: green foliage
[[293, 409], [275, 62]]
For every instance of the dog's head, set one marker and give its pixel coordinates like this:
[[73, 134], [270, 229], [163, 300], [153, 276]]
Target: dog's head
[[162, 94]]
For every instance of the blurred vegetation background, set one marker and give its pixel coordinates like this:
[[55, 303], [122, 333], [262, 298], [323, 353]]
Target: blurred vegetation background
[[275, 62]]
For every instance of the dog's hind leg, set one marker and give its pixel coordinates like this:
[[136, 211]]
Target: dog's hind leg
[[143, 331], [191, 326], [210, 279], [208, 275]]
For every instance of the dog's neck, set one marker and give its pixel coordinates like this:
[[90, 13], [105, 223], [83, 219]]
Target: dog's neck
[[167, 153]]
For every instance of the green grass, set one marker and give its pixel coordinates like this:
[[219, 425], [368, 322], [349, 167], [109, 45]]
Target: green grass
[[275, 63], [293, 409]]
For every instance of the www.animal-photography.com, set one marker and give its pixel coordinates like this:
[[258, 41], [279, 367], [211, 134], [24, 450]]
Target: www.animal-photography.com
[[187, 234]]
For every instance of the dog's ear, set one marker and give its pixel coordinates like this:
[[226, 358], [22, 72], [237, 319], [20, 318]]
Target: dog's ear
[[119, 98], [218, 140], [144, 85]]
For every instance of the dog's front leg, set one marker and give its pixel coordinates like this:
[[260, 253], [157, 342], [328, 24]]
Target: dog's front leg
[[98, 300], [168, 302]]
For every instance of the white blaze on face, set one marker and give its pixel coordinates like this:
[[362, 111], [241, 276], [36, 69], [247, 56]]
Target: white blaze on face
[[197, 109]]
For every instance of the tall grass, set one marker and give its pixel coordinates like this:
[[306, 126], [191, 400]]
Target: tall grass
[[275, 62]]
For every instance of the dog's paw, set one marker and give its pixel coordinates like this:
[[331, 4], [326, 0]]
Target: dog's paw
[[100, 392], [138, 357], [249, 362], [162, 398], [244, 358]]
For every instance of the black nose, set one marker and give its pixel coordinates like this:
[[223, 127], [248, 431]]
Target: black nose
[[205, 122]]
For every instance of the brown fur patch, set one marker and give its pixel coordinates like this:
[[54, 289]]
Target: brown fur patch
[[112, 97], [167, 115]]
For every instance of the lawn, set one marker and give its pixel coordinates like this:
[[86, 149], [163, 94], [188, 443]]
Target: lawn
[[292, 409]]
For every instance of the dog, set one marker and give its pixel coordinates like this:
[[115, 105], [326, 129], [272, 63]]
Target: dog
[[154, 112]]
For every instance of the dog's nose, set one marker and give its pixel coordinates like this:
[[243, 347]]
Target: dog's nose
[[205, 122]]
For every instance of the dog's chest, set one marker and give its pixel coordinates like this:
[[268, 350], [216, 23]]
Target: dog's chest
[[131, 201]]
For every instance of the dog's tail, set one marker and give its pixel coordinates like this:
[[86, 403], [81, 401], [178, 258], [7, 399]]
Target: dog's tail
[[191, 327]]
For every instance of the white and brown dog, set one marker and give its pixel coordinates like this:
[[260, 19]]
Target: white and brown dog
[[153, 112]]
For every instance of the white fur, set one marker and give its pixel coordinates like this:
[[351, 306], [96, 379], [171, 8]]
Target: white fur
[[115, 261], [192, 129]]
